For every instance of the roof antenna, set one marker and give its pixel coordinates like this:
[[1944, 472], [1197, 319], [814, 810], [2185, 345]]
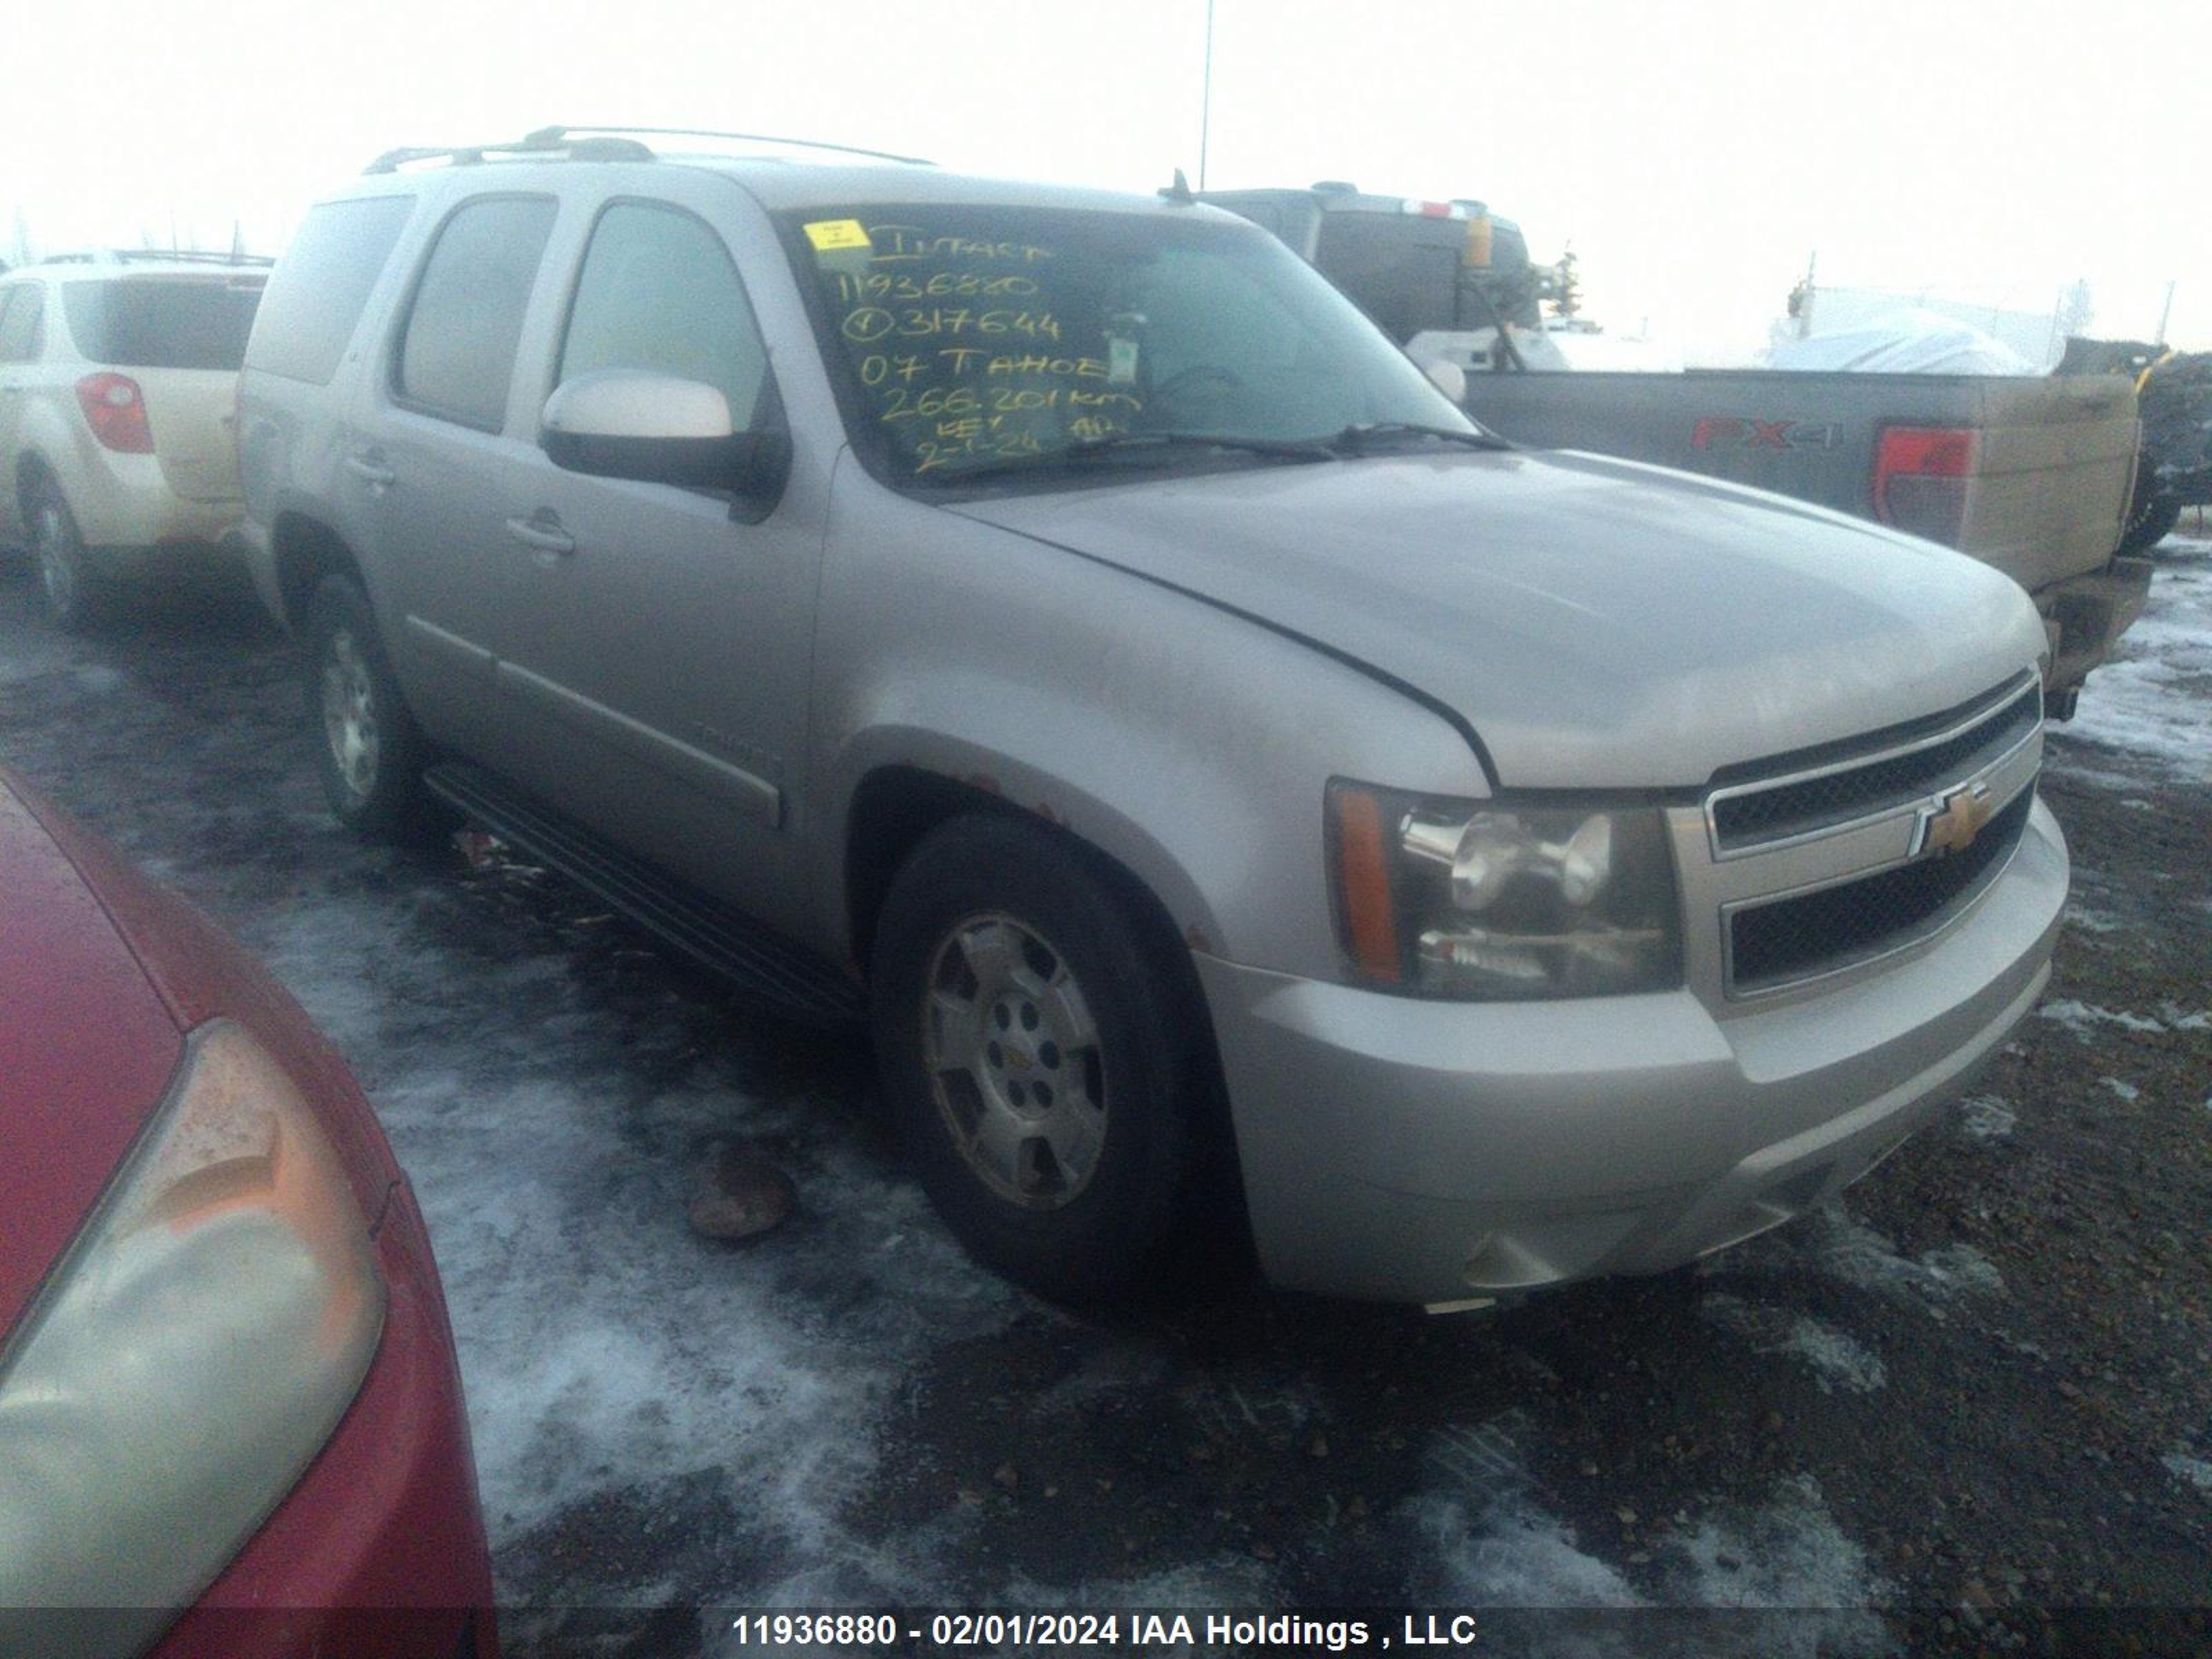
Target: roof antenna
[[1179, 191]]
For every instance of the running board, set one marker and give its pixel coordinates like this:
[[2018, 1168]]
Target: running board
[[759, 964]]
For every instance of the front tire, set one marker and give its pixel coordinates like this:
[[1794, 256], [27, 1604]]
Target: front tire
[[74, 592], [1035, 1058], [368, 750]]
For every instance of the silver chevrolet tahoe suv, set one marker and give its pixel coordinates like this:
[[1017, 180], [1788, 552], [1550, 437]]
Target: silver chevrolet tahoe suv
[[1058, 629]]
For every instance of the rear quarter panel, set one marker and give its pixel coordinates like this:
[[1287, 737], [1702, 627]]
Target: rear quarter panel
[[292, 435], [2057, 464]]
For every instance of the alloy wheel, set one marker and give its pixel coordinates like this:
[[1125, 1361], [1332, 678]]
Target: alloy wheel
[[58, 571], [1014, 1062], [349, 714]]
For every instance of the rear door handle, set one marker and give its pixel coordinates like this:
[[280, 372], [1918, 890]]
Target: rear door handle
[[541, 535], [382, 477]]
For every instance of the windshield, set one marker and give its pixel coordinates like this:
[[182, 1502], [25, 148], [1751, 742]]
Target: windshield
[[974, 336]]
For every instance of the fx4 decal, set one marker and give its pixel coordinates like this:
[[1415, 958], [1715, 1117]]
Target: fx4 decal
[[1725, 431]]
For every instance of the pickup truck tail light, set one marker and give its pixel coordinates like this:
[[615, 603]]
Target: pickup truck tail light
[[1921, 476], [115, 409]]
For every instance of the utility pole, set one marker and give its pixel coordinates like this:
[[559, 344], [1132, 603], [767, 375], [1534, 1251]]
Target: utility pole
[[2165, 315], [1206, 97]]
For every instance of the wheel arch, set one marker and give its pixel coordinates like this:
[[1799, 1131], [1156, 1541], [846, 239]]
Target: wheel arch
[[896, 804], [31, 468], [303, 551]]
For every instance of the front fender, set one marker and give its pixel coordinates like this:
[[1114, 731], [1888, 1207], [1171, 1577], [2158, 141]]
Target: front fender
[[1191, 745]]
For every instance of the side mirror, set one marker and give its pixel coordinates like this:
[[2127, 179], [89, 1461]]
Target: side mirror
[[1448, 377], [657, 429]]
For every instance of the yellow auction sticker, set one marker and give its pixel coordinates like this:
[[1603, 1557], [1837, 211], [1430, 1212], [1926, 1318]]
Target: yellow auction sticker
[[829, 236]]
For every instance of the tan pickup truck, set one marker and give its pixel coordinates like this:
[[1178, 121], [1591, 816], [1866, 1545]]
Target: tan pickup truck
[[2031, 475]]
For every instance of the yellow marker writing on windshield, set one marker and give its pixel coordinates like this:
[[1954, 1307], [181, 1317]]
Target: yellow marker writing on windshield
[[831, 235]]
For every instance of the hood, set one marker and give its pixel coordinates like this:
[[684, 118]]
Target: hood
[[1599, 623], [86, 1049]]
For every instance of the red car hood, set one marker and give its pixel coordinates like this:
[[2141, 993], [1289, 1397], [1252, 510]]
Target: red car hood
[[87, 1046]]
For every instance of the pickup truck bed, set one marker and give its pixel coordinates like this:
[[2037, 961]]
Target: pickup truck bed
[[2029, 475]]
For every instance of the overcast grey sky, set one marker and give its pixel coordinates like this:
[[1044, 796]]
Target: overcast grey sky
[[1695, 154]]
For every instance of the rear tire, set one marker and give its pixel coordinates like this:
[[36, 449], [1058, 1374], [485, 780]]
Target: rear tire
[[1035, 1058], [76, 592], [2151, 516], [368, 750]]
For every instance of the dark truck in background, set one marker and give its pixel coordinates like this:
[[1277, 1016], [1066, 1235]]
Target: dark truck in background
[[1443, 279], [2173, 395], [2030, 474]]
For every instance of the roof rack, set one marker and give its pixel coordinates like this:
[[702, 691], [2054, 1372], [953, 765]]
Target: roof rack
[[557, 135], [545, 144], [588, 143], [123, 256]]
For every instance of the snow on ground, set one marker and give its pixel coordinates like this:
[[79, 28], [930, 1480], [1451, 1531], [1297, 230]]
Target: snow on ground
[[2081, 1018], [2139, 702], [1487, 1536], [1985, 1117], [1491, 1539], [607, 1347], [2087, 919], [1833, 1243], [1790, 1555], [1508, 1551], [1837, 1360], [2191, 1471]]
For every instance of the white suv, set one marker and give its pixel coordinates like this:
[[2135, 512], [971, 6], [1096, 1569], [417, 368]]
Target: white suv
[[118, 378]]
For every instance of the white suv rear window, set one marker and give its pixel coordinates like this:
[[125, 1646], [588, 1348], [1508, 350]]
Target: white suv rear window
[[162, 322]]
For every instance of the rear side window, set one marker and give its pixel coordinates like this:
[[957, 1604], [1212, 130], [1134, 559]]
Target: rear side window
[[317, 289], [162, 322], [456, 356], [19, 333], [659, 291]]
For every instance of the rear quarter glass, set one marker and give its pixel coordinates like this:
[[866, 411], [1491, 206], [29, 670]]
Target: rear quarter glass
[[315, 295]]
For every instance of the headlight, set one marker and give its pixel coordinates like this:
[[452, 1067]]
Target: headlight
[[1482, 899], [187, 1358]]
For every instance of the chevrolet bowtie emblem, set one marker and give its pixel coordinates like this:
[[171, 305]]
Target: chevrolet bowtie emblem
[[1952, 826]]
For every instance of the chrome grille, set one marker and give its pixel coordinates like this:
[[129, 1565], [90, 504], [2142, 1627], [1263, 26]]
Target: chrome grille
[[1823, 862], [1787, 939], [1747, 816]]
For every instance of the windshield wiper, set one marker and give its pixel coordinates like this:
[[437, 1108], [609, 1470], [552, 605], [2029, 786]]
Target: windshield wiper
[[1086, 449], [1354, 439]]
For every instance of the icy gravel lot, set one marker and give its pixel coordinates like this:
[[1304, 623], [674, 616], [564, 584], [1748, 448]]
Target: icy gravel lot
[[1971, 1408]]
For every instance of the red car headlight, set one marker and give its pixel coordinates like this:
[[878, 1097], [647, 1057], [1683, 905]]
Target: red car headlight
[[187, 1358]]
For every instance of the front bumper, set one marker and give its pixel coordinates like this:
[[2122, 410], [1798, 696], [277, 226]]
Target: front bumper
[[1405, 1149], [379, 1548]]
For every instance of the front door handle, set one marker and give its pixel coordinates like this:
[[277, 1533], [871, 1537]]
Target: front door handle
[[371, 473], [542, 535]]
